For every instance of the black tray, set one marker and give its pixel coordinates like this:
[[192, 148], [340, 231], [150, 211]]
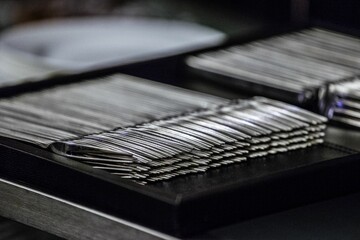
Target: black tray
[[248, 88], [187, 205]]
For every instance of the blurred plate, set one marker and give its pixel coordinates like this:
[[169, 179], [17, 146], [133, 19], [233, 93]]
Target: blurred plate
[[73, 44]]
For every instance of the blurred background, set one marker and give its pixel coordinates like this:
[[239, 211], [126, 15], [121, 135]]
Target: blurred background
[[40, 38]]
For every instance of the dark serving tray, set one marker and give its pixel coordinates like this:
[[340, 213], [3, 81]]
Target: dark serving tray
[[187, 205], [243, 87]]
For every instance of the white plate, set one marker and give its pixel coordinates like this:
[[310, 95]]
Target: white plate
[[85, 43]]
